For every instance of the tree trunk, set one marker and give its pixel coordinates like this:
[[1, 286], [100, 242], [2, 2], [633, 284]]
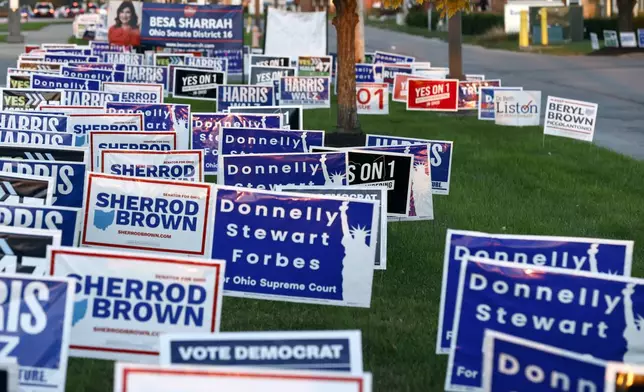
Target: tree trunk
[[345, 23], [625, 16]]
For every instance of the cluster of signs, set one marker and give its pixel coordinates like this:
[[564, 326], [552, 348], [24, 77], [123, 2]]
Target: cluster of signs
[[625, 39]]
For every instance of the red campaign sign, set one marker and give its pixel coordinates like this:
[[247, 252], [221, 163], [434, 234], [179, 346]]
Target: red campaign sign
[[468, 96], [432, 95]]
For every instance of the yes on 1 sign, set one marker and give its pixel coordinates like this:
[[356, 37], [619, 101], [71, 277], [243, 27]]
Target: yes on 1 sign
[[373, 98], [432, 95], [570, 118], [24, 250]]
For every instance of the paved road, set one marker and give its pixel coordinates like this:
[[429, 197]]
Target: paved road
[[615, 83]]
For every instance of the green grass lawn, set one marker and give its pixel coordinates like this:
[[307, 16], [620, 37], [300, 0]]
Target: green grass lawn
[[504, 180]]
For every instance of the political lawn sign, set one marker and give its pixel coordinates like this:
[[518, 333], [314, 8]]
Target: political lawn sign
[[45, 81], [515, 364], [26, 99], [148, 215], [640, 38], [594, 314], [311, 92], [25, 189], [486, 101], [68, 58], [296, 248], [42, 153], [517, 108], [124, 301], [432, 95], [65, 220], [18, 81], [9, 375], [207, 126], [314, 66], [136, 92], [310, 350], [122, 58], [99, 66], [269, 61], [570, 118], [389, 73], [24, 250], [179, 165], [268, 171], [267, 141], [138, 141], [265, 74], [623, 377], [440, 157], [101, 75], [293, 115], [244, 95], [28, 121], [146, 74], [38, 337], [212, 63], [167, 59], [88, 98], [627, 39], [194, 83], [81, 124], [468, 92], [40, 66], [372, 98], [570, 253], [37, 137], [389, 58], [68, 109]]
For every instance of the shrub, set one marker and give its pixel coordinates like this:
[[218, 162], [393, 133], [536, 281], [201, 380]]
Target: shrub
[[598, 25], [473, 24]]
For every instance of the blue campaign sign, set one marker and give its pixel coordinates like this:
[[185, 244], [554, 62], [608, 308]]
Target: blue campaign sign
[[101, 47], [440, 157], [33, 121], [244, 95], [516, 364], [269, 171], [37, 137], [69, 177], [146, 74], [390, 58], [206, 128], [640, 38], [93, 74], [296, 247], [36, 319], [193, 26], [122, 58], [258, 141], [571, 253], [365, 73], [309, 91], [77, 52], [235, 59], [592, 314], [67, 220], [103, 66], [42, 81], [327, 350], [486, 101], [212, 63], [88, 98], [69, 58]]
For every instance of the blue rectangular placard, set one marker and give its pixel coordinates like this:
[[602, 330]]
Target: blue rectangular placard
[[440, 151], [486, 101], [244, 95], [235, 59], [88, 98], [37, 137], [37, 317], [267, 141], [589, 313], [76, 52], [103, 66], [516, 364], [206, 127], [93, 74], [43, 81], [146, 74], [67, 220], [301, 247], [391, 58], [571, 253], [640, 38], [69, 177], [312, 92], [69, 58], [269, 171], [122, 58], [311, 350], [33, 121]]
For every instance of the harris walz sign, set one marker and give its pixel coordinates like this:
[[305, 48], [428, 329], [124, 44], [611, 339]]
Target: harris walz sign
[[196, 83]]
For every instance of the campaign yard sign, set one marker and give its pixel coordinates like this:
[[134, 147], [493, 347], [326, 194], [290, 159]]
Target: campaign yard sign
[[41, 153], [24, 251], [146, 214], [103, 66], [312, 92], [122, 58], [168, 59], [64, 220], [314, 66], [88, 98], [570, 118], [372, 98], [137, 141], [389, 73], [378, 194], [45, 81], [143, 378], [486, 101], [387, 58], [440, 157], [37, 137], [68, 109], [270, 61], [179, 165], [623, 377], [310, 350], [81, 124], [517, 108], [230, 95], [468, 92], [18, 81], [267, 141], [433, 95], [40, 66], [9, 374], [25, 121], [25, 99], [515, 364], [124, 301], [207, 126], [594, 314], [136, 92], [68, 58], [146, 74], [627, 39], [101, 75], [401, 86], [213, 63], [640, 38], [25, 189], [572, 253], [266, 74], [37, 316], [296, 247], [292, 115], [268, 171], [195, 83]]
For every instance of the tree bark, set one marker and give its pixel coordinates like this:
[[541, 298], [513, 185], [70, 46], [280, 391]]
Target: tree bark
[[625, 16], [345, 23]]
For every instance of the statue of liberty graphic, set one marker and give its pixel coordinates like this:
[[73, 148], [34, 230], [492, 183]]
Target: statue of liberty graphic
[[592, 259], [356, 262], [87, 84], [421, 189], [304, 146], [634, 331], [335, 178]]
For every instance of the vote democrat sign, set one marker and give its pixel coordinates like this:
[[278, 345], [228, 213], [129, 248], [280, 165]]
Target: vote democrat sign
[[88, 98], [268, 171], [136, 92], [468, 92], [292, 115], [44, 81], [122, 58], [206, 128], [582, 312], [572, 253], [124, 300], [146, 74], [148, 214], [309, 91], [101, 75], [244, 95], [311, 350], [258, 141], [43, 217], [37, 137], [486, 100], [33, 122], [385, 57], [179, 165], [38, 314], [138, 141], [516, 364], [81, 124], [440, 157], [296, 247]]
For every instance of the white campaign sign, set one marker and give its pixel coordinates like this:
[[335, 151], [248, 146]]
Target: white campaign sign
[[81, 124], [148, 215], [570, 118], [136, 92], [70, 109], [124, 301], [141, 141], [517, 108], [373, 98], [180, 165]]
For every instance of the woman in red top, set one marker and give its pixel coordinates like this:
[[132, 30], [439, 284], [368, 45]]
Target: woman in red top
[[125, 30]]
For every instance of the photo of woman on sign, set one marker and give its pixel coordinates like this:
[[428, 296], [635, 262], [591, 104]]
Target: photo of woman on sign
[[125, 30]]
